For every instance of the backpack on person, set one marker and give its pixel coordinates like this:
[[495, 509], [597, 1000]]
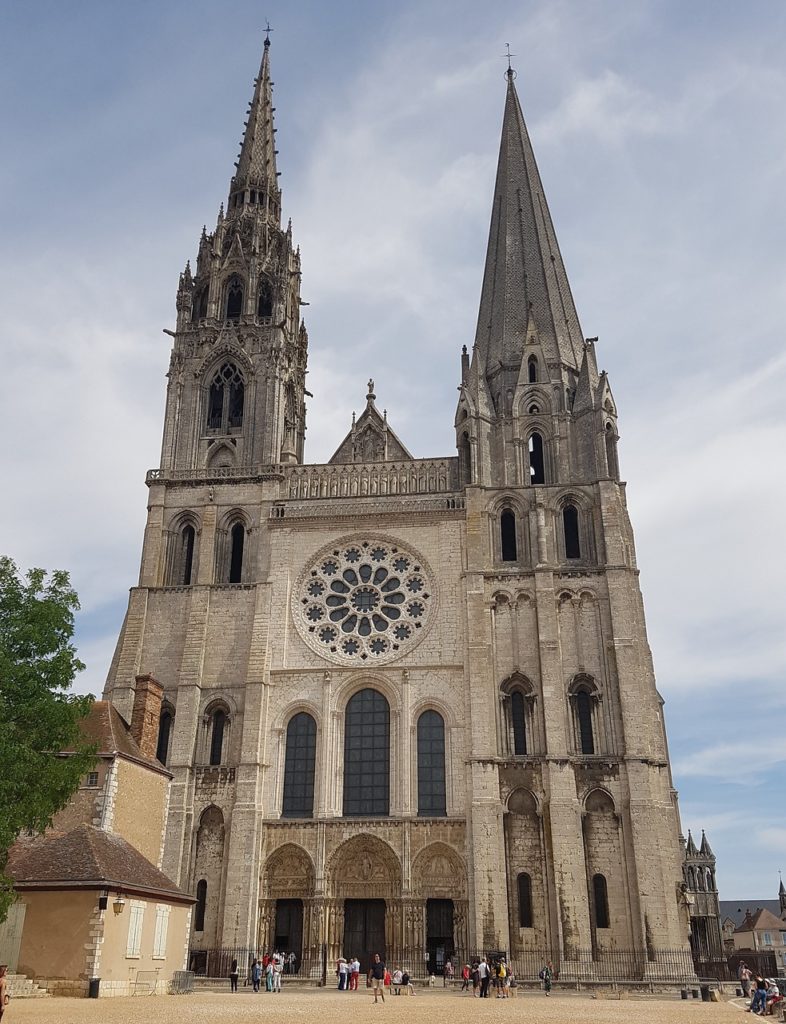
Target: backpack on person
[[542, 974]]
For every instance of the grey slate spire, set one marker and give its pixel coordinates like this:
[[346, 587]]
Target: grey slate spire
[[524, 271], [256, 165]]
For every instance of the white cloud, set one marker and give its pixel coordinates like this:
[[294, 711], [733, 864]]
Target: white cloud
[[739, 762]]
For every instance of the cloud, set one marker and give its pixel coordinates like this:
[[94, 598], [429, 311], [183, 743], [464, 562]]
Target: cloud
[[740, 762]]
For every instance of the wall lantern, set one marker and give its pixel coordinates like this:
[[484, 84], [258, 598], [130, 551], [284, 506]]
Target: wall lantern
[[118, 903]]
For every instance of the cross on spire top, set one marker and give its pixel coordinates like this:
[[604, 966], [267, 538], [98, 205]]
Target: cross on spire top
[[268, 30], [508, 55]]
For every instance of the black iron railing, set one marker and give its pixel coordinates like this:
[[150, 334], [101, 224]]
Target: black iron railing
[[669, 966]]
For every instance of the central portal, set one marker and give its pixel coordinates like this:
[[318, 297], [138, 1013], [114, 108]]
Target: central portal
[[364, 930]]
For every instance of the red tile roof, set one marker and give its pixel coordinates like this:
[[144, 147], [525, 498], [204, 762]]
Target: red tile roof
[[88, 858], [108, 730]]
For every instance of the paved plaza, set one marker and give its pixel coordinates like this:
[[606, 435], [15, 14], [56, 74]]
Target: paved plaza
[[332, 1007]]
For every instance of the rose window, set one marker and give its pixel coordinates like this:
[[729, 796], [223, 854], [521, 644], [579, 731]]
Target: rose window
[[364, 600]]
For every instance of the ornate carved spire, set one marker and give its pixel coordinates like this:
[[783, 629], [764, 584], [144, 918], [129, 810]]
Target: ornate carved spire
[[256, 165]]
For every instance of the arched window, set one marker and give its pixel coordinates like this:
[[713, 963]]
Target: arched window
[[187, 538], [225, 399], [525, 900], [431, 766], [611, 452], [199, 309], [234, 297], [237, 540], [265, 300], [537, 464], [532, 369], [570, 524], [600, 900], [518, 715], [217, 723], [507, 529], [367, 755], [465, 459], [583, 703], [201, 903], [164, 732], [299, 767]]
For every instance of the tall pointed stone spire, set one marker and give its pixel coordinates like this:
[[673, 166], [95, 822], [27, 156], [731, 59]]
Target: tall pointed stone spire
[[524, 274], [256, 165]]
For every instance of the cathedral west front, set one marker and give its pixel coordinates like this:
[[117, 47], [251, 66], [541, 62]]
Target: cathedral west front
[[408, 704]]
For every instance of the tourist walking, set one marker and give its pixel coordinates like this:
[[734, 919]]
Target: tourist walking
[[376, 976], [3, 989], [484, 973], [354, 973], [256, 974], [546, 974], [343, 974], [466, 974], [234, 973], [744, 975], [269, 975], [278, 970]]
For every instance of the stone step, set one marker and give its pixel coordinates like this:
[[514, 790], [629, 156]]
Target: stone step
[[22, 987]]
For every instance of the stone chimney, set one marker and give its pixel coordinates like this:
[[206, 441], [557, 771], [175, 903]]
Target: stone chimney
[[146, 714]]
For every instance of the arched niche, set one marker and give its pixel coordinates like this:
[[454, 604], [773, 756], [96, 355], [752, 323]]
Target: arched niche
[[362, 864]]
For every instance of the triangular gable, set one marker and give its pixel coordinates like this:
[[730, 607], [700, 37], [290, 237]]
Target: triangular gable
[[370, 438]]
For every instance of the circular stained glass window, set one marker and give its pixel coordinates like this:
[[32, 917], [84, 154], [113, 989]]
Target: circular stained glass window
[[365, 600]]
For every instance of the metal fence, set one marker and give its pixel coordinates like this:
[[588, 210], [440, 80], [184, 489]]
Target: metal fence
[[669, 966]]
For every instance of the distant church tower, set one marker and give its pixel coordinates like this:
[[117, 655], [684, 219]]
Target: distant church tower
[[409, 703]]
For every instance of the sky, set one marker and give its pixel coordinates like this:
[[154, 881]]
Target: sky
[[658, 128]]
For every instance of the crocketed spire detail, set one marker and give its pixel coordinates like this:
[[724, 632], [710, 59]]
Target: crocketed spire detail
[[524, 271], [256, 165]]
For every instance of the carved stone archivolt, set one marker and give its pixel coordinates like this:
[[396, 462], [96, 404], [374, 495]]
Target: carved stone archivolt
[[364, 865], [288, 873], [439, 873]]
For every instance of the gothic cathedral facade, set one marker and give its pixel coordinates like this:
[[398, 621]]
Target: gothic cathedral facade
[[409, 704]]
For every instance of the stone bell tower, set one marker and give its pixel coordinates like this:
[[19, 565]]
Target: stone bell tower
[[237, 372]]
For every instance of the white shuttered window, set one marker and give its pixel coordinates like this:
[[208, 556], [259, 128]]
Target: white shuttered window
[[135, 917], [162, 924]]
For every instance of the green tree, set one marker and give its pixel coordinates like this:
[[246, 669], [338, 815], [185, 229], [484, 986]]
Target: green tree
[[39, 718]]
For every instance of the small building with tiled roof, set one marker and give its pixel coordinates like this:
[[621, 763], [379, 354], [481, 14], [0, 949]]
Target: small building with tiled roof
[[762, 932], [95, 876]]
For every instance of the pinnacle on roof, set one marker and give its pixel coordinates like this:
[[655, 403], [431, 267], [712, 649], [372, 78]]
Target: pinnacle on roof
[[691, 846], [256, 165], [705, 849], [781, 889], [524, 270]]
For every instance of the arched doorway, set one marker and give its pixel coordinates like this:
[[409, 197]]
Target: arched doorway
[[439, 878], [365, 883], [286, 920]]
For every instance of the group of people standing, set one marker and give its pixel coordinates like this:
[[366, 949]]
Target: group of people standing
[[267, 971], [484, 974], [379, 977], [763, 993]]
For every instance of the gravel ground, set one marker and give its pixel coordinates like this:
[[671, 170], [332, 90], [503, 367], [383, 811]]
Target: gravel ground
[[331, 1007]]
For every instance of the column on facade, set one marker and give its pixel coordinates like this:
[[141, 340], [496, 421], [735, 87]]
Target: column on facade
[[180, 821], [565, 862], [652, 811], [243, 862]]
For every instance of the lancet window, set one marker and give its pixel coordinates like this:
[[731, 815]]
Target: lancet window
[[234, 297], [431, 765], [299, 767], [367, 755], [225, 400]]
